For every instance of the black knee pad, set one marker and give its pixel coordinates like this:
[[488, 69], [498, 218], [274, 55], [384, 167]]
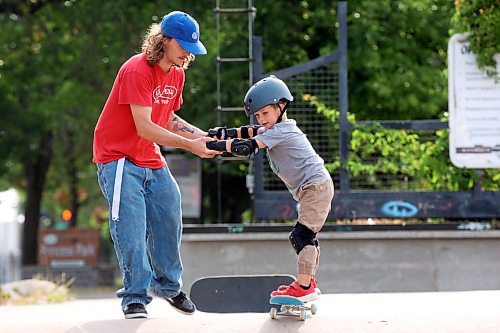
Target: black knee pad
[[301, 236]]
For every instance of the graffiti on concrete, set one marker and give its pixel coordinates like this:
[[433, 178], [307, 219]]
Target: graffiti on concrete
[[399, 209], [474, 226]]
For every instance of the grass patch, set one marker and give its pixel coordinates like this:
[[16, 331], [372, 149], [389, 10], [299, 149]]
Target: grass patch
[[38, 290]]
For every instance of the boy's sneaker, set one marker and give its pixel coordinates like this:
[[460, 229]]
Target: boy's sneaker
[[296, 291], [135, 310], [314, 284], [182, 303]]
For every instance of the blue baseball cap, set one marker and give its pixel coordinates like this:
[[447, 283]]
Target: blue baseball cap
[[185, 30]]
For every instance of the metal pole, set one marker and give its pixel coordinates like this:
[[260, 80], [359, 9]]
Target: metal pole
[[343, 95], [257, 160], [250, 178], [218, 160], [250, 43]]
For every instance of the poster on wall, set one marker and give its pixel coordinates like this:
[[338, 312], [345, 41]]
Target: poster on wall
[[187, 172], [474, 109]]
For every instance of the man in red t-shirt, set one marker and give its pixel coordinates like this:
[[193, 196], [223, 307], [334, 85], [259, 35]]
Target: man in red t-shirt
[[143, 197]]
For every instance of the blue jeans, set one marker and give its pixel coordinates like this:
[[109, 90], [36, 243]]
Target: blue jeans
[[145, 224]]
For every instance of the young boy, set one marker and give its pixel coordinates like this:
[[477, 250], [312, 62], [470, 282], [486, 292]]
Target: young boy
[[295, 161]]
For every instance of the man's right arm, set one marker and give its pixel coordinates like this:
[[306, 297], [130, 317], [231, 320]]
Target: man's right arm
[[151, 131]]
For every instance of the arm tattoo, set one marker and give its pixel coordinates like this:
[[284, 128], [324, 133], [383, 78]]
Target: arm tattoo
[[181, 125]]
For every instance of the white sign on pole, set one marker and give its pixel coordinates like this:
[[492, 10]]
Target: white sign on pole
[[474, 109]]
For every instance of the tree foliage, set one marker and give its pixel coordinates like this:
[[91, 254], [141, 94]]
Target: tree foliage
[[397, 58], [481, 20], [58, 60], [378, 155]]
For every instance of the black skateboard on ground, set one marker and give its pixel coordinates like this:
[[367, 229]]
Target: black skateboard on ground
[[236, 293]]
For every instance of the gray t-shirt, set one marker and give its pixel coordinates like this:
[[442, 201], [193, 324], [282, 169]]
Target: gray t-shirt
[[292, 157]]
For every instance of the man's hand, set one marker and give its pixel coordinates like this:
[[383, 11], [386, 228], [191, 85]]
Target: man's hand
[[199, 147]]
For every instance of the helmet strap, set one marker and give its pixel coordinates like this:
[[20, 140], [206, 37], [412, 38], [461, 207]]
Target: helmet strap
[[282, 111]]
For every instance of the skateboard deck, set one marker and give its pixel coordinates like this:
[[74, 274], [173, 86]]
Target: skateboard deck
[[236, 293], [291, 306]]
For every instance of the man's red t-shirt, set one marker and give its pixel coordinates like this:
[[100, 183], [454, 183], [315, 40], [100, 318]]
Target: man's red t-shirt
[[115, 135]]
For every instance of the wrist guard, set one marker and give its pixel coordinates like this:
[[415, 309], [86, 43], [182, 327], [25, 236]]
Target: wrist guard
[[245, 133], [244, 147], [217, 145], [222, 133]]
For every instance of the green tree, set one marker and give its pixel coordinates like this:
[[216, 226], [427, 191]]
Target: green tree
[[58, 61], [378, 154], [397, 58], [481, 20]]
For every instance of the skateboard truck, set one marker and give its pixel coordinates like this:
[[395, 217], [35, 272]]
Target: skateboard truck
[[291, 306]]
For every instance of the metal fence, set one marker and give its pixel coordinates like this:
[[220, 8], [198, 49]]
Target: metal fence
[[321, 82], [392, 195]]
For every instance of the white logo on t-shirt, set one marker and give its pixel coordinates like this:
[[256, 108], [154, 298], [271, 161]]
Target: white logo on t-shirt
[[164, 95]]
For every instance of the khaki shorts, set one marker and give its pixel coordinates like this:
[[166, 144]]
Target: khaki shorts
[[315, 202]]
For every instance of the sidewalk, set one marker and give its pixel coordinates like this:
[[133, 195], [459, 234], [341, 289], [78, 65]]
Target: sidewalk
[[457, 312]]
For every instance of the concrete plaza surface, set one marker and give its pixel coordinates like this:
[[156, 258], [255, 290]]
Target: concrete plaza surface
[[465, 311]]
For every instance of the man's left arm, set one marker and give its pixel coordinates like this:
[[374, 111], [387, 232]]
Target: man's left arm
[[181, 127]]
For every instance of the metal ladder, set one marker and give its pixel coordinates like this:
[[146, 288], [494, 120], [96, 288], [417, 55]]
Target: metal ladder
[[250, 11]]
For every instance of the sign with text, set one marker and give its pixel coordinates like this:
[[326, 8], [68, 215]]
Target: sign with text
[[474, 109], [69, 247]]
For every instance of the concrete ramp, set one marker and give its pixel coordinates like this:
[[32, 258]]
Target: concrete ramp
[[457, 312]]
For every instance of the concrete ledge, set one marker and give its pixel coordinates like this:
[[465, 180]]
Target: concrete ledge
[[382, 261], [372, 235]]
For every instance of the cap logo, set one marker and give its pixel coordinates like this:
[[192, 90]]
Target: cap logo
[[194, 36]]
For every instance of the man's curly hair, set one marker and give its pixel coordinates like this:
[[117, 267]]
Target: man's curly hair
[[152, 46]]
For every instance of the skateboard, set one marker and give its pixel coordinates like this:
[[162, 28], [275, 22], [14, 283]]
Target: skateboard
[[236, 293], [291, 306]]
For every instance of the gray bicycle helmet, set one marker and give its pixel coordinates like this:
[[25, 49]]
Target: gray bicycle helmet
[[269, 90]]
